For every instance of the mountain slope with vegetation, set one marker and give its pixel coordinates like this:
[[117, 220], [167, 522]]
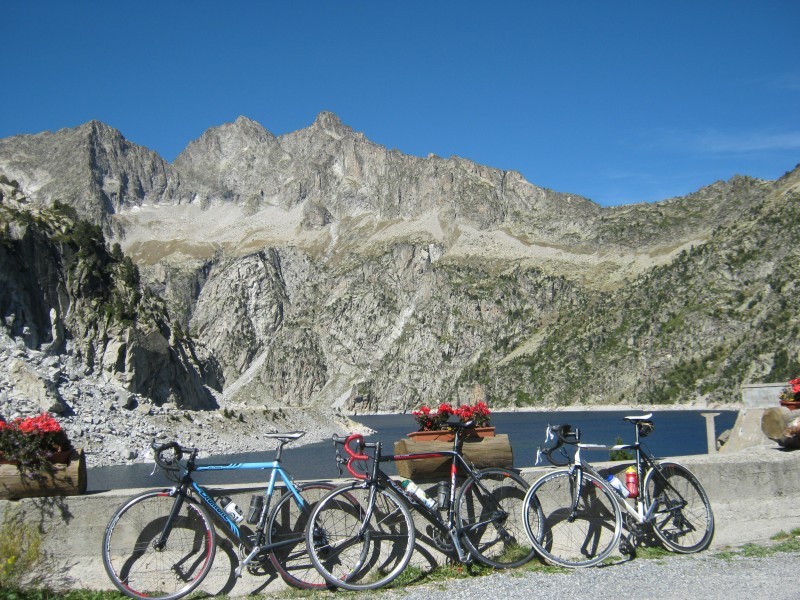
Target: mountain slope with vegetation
[[721, 314], [320, 270]]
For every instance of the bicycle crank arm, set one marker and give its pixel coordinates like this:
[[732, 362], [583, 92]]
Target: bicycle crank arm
[[246, 561], [464, 556]]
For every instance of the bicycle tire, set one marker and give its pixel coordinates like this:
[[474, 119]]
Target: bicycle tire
[[561, 538], [489, 512], [138, 569], [287, 522], [357, 549], [683, 519]]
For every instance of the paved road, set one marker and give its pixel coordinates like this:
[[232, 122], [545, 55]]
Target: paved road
[[705, 576]]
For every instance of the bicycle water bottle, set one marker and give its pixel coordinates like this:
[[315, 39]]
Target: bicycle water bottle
[[443, 495], [229, 506], [632, 482], [412, 489], [256, 506], [615, 483]]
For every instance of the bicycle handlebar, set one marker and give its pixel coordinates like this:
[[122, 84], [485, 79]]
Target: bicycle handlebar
[[567, 435], [354, 445], [170, 463], [564, 434]]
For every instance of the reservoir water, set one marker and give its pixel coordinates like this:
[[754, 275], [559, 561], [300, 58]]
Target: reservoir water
[[677, 433]]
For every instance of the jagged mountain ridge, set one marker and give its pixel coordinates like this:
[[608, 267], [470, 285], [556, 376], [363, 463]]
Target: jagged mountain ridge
[[318, 267], [328, 165], [93, 168], [329, 169]]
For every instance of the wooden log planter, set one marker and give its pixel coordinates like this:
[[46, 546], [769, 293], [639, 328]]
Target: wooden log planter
[[481, 452], [782, 425], [57, 480]]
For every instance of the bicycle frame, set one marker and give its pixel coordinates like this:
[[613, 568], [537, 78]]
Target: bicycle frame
[[254, 546], [645, 462], [378, 478], [640, 512]]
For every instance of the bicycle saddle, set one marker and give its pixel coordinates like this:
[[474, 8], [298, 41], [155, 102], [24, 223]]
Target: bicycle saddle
[[459, 424], [635, 418], [287, 435]]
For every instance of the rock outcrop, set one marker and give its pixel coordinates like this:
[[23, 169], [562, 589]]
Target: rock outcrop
[[319, 271], [62, 287]]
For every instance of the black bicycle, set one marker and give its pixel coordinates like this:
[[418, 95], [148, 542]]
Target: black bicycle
[[361, 535], [161, 543]]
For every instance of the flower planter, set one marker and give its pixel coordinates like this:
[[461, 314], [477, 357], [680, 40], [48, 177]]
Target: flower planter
[[59, 479], [482, 452], [791, 404], [447, 436]]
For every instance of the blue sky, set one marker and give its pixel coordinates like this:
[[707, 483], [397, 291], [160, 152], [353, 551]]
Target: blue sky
[[620, 102]]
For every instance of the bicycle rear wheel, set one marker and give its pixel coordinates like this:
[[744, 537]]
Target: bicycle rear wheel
[[682, 518], [489, 511], [571, 538], [137, 567], [358, 548], [287, 525]]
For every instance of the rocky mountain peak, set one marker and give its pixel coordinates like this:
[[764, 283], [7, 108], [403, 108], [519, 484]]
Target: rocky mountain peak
[[321, 269], [98, 130], [331, 123]]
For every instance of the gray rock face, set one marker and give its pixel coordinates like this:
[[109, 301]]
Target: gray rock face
[[241, 162], [321, 271], [61, 285], [337, 171], [92, 168]]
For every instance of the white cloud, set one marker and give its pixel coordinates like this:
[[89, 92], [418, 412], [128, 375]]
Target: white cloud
[[786, 81], [712, 142], [736, 143]]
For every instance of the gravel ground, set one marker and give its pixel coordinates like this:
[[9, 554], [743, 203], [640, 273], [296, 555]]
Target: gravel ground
[[702, 575]]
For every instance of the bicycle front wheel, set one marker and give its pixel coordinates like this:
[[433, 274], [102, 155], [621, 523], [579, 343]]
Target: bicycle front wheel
[[489, 512], [682, 517], [138, 567], [286, 526], [357, 544], [571, 524]]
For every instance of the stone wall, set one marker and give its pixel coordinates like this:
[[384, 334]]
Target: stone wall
[[754, 494]]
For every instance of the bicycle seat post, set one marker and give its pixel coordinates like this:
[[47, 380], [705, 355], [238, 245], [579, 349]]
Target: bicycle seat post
[[281, 443], [456, 437]]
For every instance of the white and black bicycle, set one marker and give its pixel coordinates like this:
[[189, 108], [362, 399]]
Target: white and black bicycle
[[575, 516]]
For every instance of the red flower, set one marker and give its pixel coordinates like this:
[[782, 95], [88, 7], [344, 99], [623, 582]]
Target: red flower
[[429, 420], [795, 383], [31, 441]]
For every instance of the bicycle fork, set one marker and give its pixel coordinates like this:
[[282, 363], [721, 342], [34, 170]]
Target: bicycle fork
[[161, 541]]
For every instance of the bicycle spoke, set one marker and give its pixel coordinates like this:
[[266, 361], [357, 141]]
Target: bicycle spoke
[[287, 523], [138, 568], [489, 510], [682, 516], [574, 537], [356, 548]]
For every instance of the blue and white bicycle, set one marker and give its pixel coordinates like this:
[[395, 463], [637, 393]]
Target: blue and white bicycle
[[161, 543]]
